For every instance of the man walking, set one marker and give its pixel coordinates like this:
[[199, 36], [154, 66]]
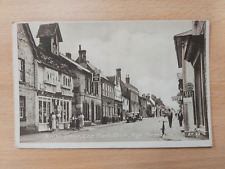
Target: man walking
[[180, 118], [170, 118]]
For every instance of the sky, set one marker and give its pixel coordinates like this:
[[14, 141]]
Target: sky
[[144, 50]]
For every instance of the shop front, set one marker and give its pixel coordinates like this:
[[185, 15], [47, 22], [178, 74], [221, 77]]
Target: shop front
[[49, 105]]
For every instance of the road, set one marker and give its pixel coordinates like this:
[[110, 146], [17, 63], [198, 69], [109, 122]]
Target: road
[[148, 129]]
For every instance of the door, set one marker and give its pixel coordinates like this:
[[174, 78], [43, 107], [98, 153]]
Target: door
[[92, 112]]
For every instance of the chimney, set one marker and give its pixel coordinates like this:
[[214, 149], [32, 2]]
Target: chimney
[[68, 55], [127, 79], [82, 54], [118, 75]]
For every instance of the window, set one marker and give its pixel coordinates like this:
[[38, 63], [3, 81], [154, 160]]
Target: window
[[66, 81], [51, 76], [86, 111], [98, 112], [22, 108], [21, 70], [44, 110], [96, 88]]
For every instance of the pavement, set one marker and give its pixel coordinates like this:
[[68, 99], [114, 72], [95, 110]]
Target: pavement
[[149, 129]]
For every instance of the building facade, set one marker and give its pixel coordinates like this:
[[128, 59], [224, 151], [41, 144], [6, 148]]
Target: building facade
[[143, 106], [108, 98], [27, 82], [125, 100], [133, 96], [54, 80], [191, 53], [118, 93], [90, 90]]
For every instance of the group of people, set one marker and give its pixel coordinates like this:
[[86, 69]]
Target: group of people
[[76, 121], [179, 117]]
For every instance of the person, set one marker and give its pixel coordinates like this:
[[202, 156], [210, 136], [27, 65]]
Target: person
[[78, 122], [53, 121], [58, 116], [180, 118], [170, 118], [50, 121], [82, 120], [73, 122]]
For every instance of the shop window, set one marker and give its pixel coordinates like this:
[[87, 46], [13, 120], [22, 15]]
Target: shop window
[[44, 110], [22, 108], [21, 70]]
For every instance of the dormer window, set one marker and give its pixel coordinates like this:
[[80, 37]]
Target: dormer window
[[50, 36]]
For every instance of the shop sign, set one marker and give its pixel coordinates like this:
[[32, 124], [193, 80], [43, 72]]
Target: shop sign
[[175, 98], [188, 94], [189, 86], [96, 77]]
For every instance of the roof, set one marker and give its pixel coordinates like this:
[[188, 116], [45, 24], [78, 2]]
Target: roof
[[46, 30], [92, 68], [130, 86], [187, 33], [30, 37], [54, 61], [178, 40], [111, 79], [75, 63], [124, 89]]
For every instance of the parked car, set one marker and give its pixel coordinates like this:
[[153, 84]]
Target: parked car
[[133, 116]]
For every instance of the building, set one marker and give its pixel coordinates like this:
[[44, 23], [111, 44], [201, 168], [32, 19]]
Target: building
[[125, 99], [108, 99], [54, 80], [27, 78], [143, 105], [89, 96], [133, 96], [191, 54]]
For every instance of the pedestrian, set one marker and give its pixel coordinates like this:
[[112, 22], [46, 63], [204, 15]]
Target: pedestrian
[[82, 120], [78, 122], [180, 118], [73, 122], [50, 121], [58, 116], [53, 121], [170, 118]]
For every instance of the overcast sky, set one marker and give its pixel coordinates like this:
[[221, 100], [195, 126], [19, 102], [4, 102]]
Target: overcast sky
[[143, 49]]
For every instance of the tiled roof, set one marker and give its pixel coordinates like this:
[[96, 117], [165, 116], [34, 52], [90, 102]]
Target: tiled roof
[[54, 61], [111, 79], [46, 30], [75, 63], [130, 86], [124, 89]]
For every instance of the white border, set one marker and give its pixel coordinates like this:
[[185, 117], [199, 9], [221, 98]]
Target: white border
[[131, 144]]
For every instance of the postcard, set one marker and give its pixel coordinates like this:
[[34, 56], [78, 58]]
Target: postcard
[[112, 84]]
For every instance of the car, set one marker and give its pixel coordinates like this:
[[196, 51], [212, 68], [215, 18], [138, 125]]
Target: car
[[133, 116]]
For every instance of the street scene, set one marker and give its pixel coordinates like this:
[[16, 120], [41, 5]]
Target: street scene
[[112, 81], [114, 132]]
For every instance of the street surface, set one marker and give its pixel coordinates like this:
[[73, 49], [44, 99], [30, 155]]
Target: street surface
[[148, 129]]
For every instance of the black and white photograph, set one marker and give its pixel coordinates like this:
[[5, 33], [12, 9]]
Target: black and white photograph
[[112, 84]]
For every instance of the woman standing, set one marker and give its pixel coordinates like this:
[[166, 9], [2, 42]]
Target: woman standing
[[53, 121]]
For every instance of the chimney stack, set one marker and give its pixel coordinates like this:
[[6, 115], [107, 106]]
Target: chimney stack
[[82, 54], [68, 55], [127, 79], [118, 75]]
